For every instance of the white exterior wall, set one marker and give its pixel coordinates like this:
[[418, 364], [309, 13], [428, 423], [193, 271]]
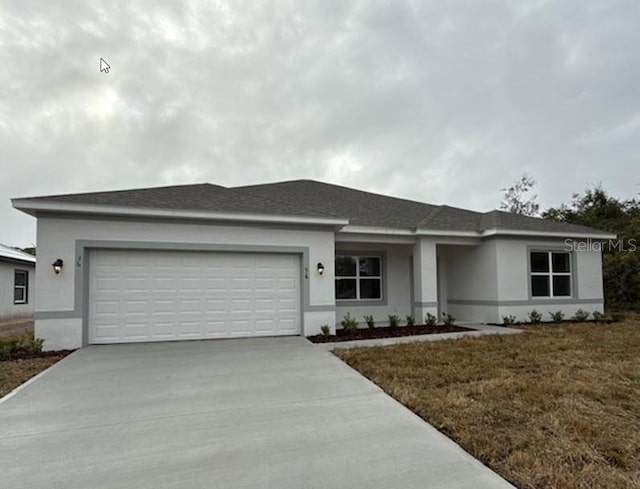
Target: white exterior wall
[[425, 278], [513, 285], [58, 319], [397, 286], [471, 279], [490, 281], [8, 309]]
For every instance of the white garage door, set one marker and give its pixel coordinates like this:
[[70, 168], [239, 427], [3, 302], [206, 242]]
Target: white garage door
[[140, 296]]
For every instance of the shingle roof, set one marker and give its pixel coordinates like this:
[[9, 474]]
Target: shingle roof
[[369, 209], [12, 254], [197, 197], [507, 220], [310, 198], [361, 208]]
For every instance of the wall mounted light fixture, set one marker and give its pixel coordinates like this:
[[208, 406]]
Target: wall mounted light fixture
[[57, 266], [320, 268]]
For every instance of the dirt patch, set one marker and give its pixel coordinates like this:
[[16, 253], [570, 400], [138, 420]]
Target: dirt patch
[[16, 372], [25, 354], [15, 327], [385, 332]]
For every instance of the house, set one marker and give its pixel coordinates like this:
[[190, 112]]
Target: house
[[206, 261], [17, 271]]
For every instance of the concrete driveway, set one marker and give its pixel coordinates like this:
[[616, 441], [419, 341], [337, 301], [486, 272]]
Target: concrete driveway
[[256, 413]]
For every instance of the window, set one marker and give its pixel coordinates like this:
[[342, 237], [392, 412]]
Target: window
[[550, 274], [358, 278], [20, 287]]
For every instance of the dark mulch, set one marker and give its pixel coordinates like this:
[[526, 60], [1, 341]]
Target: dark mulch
[[385, 332], [25, 354]]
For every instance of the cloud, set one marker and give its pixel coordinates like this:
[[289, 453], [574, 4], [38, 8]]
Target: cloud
[[445, 102]]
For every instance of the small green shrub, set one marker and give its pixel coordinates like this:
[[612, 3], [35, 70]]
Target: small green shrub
[[8, 347], [580, 316], [597, 316], [394, 321], [410, 321], [26, 343], [35, 345], [370, 322], [349, 324], [557, 316], [535, 317], [508, 320], [618, 317], [448, 320], [430, 319], [325, 330]]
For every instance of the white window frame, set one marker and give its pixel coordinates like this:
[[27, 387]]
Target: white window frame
[[24, 288], [358, 277], [550, 274]]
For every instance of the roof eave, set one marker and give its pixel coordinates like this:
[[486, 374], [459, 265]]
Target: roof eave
[[549, 234], [18, 261], [33, 207]]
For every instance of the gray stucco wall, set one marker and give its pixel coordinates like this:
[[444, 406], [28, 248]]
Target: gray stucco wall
[[397, 280], [492, 281], [60, 311]]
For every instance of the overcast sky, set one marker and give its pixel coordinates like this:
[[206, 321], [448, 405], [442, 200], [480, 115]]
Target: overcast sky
[[439, 101]]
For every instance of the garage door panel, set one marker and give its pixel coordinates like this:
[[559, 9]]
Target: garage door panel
[[159, 295], [286, 325], [135, 307]]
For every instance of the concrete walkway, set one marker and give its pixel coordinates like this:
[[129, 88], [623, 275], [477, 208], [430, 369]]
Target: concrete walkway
[[478, 330], [259, 413]]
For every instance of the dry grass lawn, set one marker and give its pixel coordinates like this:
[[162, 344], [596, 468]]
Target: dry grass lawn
[[15, 372], [556, 407]]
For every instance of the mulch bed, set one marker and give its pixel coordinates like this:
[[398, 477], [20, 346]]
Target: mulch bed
[[25, 354], [385, 332]]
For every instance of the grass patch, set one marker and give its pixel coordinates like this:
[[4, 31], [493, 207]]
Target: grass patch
[[555, 407]]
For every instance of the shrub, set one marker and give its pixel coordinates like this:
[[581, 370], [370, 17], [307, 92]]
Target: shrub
[[580, 316], [349, 324], [535, 317], [448, 320], [370, 322], [618, 317], [394, 321], [35, 345], [7, 347], [597, 316], [508, 320], [557, 316], [325, 330], [410, 321], [430, 319]]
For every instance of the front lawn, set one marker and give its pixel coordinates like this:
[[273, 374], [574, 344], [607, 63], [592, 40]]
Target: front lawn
[[555, 407]]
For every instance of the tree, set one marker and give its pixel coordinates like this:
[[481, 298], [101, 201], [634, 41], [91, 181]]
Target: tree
[[30, 249], [620, 258], [518, 198]]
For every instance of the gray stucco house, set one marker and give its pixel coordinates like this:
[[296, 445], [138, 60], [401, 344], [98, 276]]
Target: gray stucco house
[[17, 273], [205, 261]]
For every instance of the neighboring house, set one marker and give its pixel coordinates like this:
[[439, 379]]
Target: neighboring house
[[17, 272], [205, 261]]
